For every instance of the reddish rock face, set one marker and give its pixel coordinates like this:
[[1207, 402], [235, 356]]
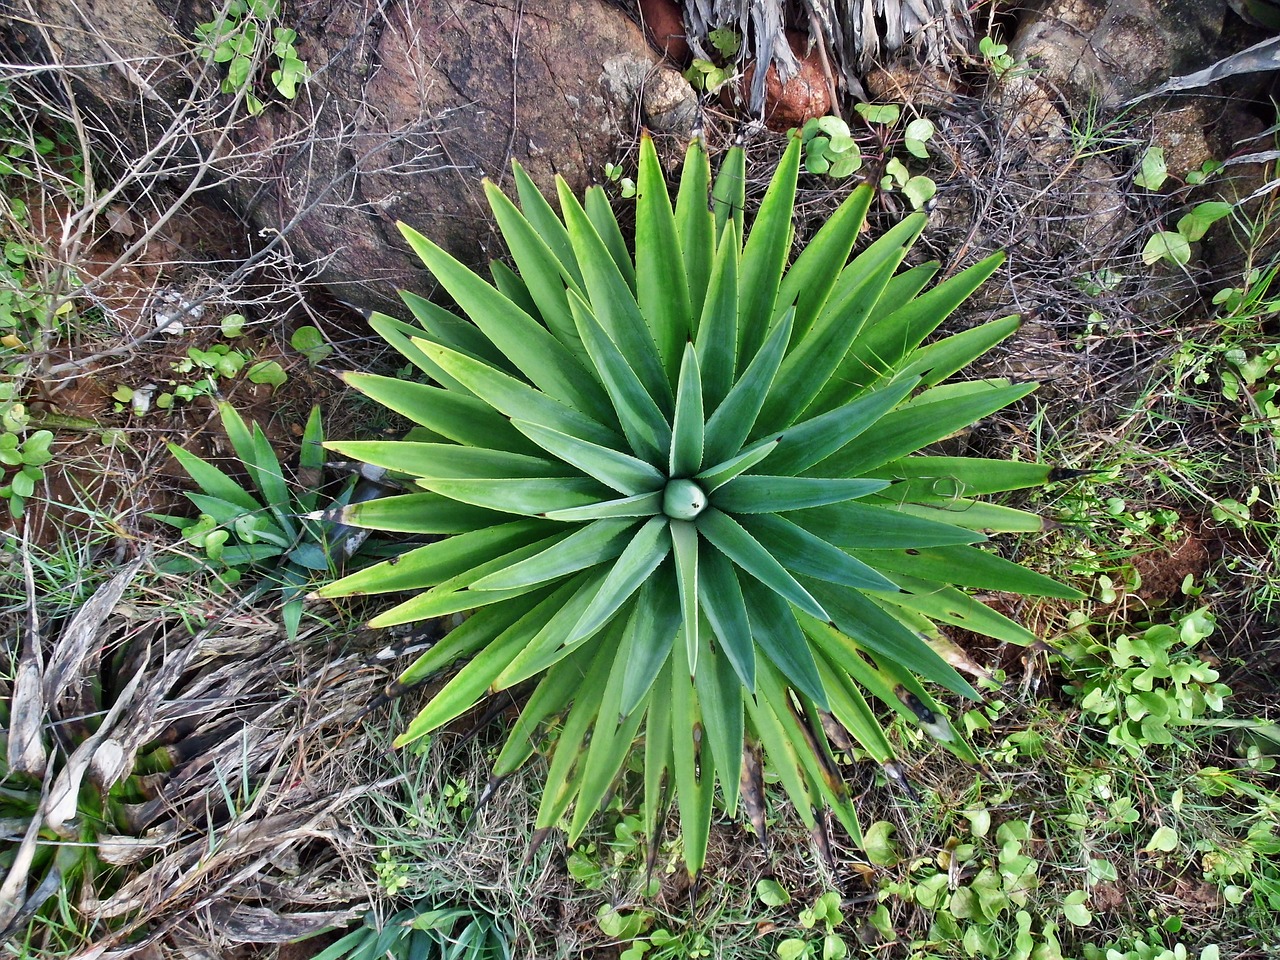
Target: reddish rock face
[[804, 96], [410, 104], [664, 26]]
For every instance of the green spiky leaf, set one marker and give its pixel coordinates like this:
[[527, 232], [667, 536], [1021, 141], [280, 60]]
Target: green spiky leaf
[[727, 543]]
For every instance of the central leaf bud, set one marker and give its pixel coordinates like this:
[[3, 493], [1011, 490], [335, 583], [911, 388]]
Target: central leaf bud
[[683, 500]]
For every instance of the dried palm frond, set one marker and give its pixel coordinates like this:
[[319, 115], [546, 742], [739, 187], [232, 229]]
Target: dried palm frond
[[856, 33], [179, 783]]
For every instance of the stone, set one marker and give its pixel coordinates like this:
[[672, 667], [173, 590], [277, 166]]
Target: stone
[[664, 26], [802, 97], [411, 103], [920, 85], [1116, 49]]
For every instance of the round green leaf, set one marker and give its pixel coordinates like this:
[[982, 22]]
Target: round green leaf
[[1165, 245], [878, 844], [267, 371], [1073, 908], [885, 114], [233, 325], [772, 893]]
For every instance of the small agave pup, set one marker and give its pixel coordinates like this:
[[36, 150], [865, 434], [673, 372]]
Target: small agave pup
[[681, 492]]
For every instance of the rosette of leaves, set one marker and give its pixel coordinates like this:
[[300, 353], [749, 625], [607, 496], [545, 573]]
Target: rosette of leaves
[[681, 493], [266, 531]]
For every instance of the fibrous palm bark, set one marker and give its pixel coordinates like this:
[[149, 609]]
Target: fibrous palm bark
[[857, 33]]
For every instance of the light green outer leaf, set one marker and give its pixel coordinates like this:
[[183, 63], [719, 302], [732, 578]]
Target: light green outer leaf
[[949, 605], [642, 421], [241, 438], [565, 774], [469, 636], [695, 770], [658, 759], [439, 561], [524, 497], [645, 505], [540, 272], [765, 255], [850, 708], [730, 538], [813, 359], [973, 515], [968, 567], [613, 303], [622, 472], [544, 219], [270, 480], [845, 654], [763, 494], [517, 399], [812, 441], [454, 595], [904, 680], [452, 331], [867, 526], [684, 539], [647, 549], [551, 696], [957, 390], [719, 691], [393, 331], [448, 461], [720, 596], [595, 543], [694, 224], [729, 194], [541, 357], [209, 478], [803, 552], [461, 418], [735, 417], [687, 429], [547, 647], [466, 688], [776, 633], [651, 632], [714, 477], [781, 750], [311, 457], [661, 287], [717, 337], [951, 477], [600, 213], [882, 346], [940, 360], [813, 275], [418, 513], [612, 737], [912, 428], [825, 785], [877, 630], [902, 289], [262, 465], [512, 287]]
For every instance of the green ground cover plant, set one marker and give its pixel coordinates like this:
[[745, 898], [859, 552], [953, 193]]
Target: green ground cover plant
[[682, 493], [239, 38]]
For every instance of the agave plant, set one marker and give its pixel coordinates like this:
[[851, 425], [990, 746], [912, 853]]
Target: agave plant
[[681, 493], [265, 531]]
